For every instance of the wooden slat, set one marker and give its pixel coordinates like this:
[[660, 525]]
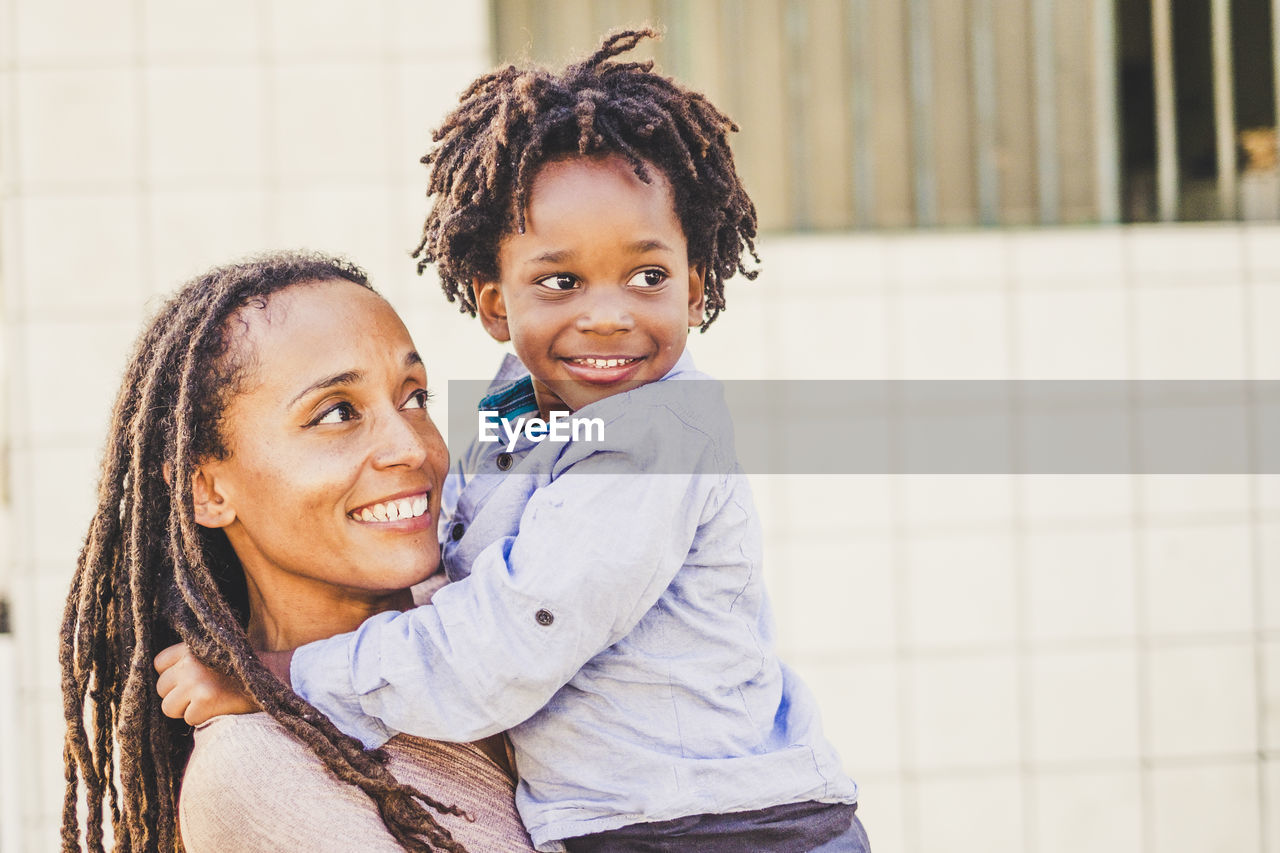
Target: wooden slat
[[795, 70], [1015, 119], [826, 163], [571, 32], [1224, 112], [514, 30], [985, 127], [1043, 49], [1106, 115], [706, 71], [763, 113], [923, 157], [891, 125], [1275, 72], [859, 43], [1076, 116], [1167, 178]]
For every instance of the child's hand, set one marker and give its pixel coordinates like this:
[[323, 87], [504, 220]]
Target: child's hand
[[191, 691]]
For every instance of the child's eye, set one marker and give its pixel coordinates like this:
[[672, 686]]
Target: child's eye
[[338, 414], [648, 278], [559, 281], [418, 399]]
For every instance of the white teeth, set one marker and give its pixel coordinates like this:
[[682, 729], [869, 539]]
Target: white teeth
[[394, 510], [603, 362]]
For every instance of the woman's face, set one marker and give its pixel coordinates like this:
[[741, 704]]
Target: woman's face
[[331, 491]]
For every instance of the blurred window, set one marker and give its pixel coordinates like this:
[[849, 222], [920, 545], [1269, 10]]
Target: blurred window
[[901, 113]]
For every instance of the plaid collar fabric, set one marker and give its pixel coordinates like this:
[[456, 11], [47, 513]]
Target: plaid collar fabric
[[512, 401]]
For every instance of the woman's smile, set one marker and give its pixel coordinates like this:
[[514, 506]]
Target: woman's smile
[[394, 509]]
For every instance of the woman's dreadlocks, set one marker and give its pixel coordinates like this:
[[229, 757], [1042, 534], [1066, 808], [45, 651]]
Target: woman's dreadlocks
[[512, 121], [149, 576]]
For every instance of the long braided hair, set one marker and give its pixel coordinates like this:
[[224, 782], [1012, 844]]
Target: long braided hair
[[149, 576], [512, 121]]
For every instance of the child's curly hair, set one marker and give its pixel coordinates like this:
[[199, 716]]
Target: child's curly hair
[[512, 121]]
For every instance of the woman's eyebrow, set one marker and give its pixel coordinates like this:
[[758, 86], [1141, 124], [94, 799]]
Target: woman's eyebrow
[[349, 377]]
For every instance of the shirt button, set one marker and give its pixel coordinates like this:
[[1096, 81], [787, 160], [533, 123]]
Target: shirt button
[[456, 533], [544, 617], [504, 461]]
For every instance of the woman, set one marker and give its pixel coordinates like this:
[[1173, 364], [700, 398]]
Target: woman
[[272, 477]]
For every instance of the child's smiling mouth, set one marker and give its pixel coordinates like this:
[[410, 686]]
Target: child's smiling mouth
[[603, 370], [395, 509], [604, 363]]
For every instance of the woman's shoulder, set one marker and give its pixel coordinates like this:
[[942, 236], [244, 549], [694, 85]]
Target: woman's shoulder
[[238, 744], [249, 785]]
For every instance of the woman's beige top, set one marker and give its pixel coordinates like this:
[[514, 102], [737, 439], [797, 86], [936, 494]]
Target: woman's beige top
[[250, 786]]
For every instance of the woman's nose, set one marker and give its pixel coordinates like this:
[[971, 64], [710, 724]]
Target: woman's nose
[[399, 442]]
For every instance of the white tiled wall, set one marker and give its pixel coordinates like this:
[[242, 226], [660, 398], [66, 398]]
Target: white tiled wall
[[1039, 663], [142, 141], [1034, 664]]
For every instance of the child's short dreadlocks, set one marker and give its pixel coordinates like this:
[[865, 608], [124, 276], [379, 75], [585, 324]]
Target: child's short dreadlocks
[[512, 121]]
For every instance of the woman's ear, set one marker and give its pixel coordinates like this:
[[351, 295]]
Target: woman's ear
[[210, 505], [697, 294], [492, 309]]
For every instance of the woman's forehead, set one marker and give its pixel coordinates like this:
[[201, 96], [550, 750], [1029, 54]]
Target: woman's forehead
[[309, 309], [317, 326]]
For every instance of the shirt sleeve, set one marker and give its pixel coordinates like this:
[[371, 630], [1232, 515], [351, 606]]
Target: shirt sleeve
[[597, 546]]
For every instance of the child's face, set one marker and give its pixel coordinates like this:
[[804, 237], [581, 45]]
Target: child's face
[[597, 296]]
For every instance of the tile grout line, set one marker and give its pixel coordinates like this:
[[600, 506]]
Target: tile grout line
[[1020, 549], [1137, 525], [1256, 545]]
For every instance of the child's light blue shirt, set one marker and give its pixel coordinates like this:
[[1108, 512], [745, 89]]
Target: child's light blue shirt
[[623, 638]]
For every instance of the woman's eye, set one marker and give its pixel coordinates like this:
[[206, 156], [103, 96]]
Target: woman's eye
[[648, 278], [418, 399], [338, 414], [560, 281]]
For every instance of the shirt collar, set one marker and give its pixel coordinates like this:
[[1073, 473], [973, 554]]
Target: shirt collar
[[511, 392]]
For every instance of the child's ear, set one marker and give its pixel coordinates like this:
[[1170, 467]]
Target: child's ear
[[697, 294], [492, 309], [211, 507]]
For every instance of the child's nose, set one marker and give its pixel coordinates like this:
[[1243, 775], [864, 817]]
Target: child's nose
[[604, 311]]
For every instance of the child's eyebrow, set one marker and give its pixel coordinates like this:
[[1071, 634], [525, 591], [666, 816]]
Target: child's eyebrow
[[555, 257], [641, 246]]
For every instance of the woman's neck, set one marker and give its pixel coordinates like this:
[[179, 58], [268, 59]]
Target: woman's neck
[[281, 618]]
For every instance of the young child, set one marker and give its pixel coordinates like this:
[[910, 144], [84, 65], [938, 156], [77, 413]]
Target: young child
[[607, 607]]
